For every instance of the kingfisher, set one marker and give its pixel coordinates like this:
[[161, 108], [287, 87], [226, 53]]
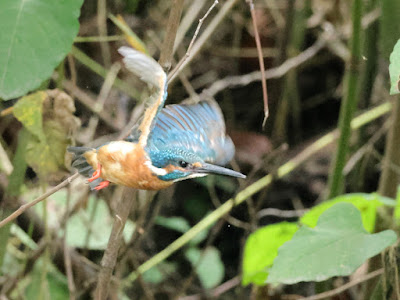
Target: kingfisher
[[168, 144]]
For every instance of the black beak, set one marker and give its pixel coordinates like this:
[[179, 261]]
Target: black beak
[[213, 169]]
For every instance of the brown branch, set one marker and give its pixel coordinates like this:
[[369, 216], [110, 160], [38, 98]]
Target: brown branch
[[172, 27], [111, 253], [203, 38], [187, 55], [260, 60], [242, 80], [25, 206]]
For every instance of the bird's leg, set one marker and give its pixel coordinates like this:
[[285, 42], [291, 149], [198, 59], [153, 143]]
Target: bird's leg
[[96, 174], [102, 185]]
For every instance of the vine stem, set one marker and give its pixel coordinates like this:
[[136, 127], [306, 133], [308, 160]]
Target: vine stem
[[348, 105]]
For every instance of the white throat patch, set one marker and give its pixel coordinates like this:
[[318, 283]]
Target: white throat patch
[[155, 170]]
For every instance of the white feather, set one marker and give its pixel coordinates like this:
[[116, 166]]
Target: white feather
[[143, 66]]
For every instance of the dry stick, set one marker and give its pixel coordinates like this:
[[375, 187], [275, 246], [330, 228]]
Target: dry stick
[[172, 27], [346, 286], [260, 60], [102, 27], [289, 64], [24, 207], [187, 21], [111, 253], [203, 38], [178, 66]]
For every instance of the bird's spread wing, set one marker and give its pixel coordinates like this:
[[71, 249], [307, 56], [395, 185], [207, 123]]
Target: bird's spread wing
[[199, 127], [150, 72]]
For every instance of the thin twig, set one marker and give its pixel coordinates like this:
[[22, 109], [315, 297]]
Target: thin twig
[[187, 20], [291, 63], [202, 39], [346, 286], [260, 60], [177, 67], [24, 207]]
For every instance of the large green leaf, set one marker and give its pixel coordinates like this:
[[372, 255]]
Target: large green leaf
[[35, 37], [337, 246], [366, 203], [261, 249], [394, 69]]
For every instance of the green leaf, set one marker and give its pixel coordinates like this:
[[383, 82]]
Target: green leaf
[[36, 36], [261, 249], [337, 246], [29, 110], [366, 203], [208, 265], [394, 69], [175, 223]]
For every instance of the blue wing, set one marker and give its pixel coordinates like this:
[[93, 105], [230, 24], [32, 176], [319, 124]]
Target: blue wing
[[199, 127]]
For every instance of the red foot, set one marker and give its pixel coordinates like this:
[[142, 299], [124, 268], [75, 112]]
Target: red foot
[[96, 174], [102, 185]]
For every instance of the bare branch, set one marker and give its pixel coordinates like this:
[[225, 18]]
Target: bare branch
[[24, 207], [202, 39], [172, 27], [241, 80], [177, 67], [111, 253], [346, 286]]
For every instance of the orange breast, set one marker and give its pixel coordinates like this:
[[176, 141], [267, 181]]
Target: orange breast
[[124, 163]]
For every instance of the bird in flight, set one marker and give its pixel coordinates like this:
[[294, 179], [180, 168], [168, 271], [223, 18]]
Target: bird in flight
[[169, 144]]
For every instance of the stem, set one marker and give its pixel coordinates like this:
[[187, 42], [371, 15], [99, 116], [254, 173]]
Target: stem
[[349, 104]]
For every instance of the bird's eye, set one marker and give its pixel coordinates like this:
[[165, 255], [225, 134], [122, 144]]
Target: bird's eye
[[183, 163]]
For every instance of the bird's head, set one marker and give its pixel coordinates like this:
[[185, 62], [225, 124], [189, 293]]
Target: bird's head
[[180, 164]]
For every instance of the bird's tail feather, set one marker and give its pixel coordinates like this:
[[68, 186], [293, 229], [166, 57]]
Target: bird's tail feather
[[79, 161]]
